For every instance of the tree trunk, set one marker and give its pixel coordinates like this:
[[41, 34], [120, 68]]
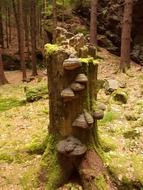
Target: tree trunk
[[21, 29], [9, 24], [6, 28], [33, 36], [54, 21], [93, 23], [26, 24], [1, 28], [126, 35], [15, 10], [73, 126], [3, 79]]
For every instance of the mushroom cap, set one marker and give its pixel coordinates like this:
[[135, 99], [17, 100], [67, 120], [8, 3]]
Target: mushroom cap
[[80, 122], [71, 147], [72, 63], [75, 86], [88, 117], [79, 150], [67, 93], [98, 114], [101, 106], [82, 78]]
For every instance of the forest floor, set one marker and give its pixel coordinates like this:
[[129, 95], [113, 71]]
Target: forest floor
[[24, 124]]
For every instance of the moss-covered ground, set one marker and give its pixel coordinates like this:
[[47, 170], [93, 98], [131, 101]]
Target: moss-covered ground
[[121, 130], [23, 129], [23, 126]]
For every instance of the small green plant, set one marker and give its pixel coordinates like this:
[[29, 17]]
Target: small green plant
[[109, 117]]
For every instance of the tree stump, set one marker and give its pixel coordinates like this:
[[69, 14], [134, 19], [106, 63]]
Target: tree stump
[[73, 134]]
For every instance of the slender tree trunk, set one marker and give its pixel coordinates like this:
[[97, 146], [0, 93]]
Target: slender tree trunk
[[126, 35], [3, 79], [6, 27], [21, 28], [9, 24], [33, 36], [1, 28], [54, 21], [26, 24], [93, 23], [15, 9]]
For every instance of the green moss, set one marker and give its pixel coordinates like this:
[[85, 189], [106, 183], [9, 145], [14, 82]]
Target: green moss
[[50, 49], [5, 157], [8, 103], [29, 180], [89, 59], [120, 96], [37, 92], [107, 143], [50, 167], [132, 134], [109, 117], [100, 183], [37, 145], [137, 161]]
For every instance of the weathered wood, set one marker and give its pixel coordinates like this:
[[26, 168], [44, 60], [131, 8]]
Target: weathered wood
[[63, 117]]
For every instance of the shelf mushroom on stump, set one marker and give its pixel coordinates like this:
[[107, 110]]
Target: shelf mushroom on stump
[[71, 147], [67, 76]]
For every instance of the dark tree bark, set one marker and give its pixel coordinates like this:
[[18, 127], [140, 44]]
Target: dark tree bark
[[1, 28], [3, 79], [22, 44], [6, 28], [54, 21], [126, 35], [93, 23], [33, 36], [9, 24], [15, 10]]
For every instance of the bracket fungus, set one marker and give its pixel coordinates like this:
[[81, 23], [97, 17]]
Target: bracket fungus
[[88, 117], [101, 106], [72, 62], [98, 114], [83, 120], [81, 78], [71, 146], [80, 122], [67, 94], [75, 86]]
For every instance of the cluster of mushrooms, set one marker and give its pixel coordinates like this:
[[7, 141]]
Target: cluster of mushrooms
[[72, 146], [79, 83]]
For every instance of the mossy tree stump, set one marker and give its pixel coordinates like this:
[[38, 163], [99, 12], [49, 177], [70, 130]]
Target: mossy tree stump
[[73, 138]]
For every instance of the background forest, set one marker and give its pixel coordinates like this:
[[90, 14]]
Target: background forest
[[27, 150]]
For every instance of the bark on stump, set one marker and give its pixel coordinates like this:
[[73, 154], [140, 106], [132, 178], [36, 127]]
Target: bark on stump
[[64, 113]]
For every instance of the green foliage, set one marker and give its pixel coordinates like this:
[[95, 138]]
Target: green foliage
[[8, 103], [29, 180], [81, 29], [37, 145], [36, 93], [6, 157], [109, 117], [100, 183]]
